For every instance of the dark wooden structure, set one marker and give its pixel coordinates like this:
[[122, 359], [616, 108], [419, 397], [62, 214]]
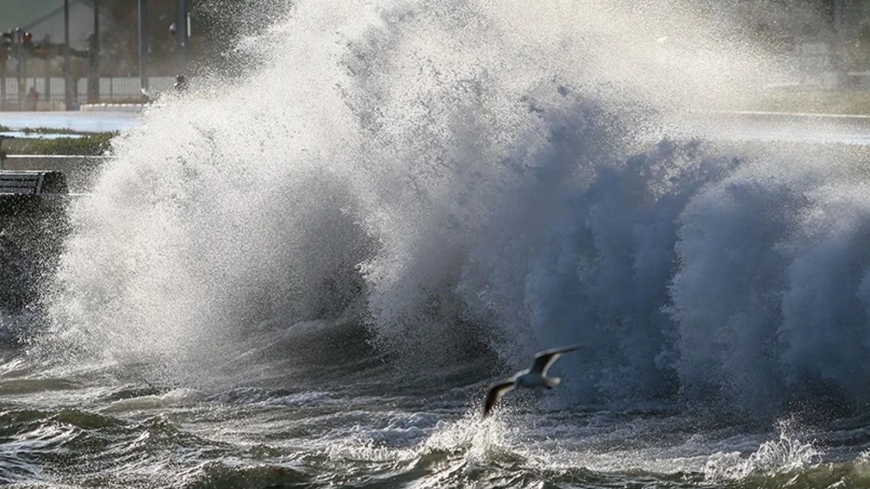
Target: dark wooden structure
[[33, 224]]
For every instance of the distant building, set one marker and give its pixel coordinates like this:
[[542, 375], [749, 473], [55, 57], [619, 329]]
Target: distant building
[[45, 19]]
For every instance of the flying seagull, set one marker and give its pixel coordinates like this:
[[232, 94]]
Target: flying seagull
[[532, 378]]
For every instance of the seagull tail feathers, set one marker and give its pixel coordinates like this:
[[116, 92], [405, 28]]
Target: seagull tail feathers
[[552, 382]]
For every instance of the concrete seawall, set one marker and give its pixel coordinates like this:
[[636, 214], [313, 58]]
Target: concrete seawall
[[786, 120], [774, 127]]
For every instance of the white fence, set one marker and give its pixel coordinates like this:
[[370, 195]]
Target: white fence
[[112, 89]]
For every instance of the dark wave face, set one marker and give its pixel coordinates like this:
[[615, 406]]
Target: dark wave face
[[309, 275]]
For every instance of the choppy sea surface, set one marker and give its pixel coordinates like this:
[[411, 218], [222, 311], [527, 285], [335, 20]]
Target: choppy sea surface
[[309, 274], [321, 409]]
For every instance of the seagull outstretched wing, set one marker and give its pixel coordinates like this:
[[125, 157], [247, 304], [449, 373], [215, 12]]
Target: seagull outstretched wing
[[495, 392], [544, 359]]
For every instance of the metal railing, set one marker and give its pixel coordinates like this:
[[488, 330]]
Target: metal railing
[[112, 90]]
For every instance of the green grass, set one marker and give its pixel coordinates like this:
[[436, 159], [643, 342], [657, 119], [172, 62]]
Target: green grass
[[38, 130], [844, 102], [93, 144]]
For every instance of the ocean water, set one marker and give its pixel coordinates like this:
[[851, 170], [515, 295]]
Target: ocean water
[[309, 274]]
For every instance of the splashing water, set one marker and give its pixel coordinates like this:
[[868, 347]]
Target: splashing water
[[309, 272], [469, 176], [784, 455]]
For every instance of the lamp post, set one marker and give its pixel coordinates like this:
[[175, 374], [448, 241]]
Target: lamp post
[[143, 47], [181, 31], [3, 55], [94, 58], [67, 75]]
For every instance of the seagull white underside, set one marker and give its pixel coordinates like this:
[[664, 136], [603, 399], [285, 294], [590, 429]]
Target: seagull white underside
[[535, 377]]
